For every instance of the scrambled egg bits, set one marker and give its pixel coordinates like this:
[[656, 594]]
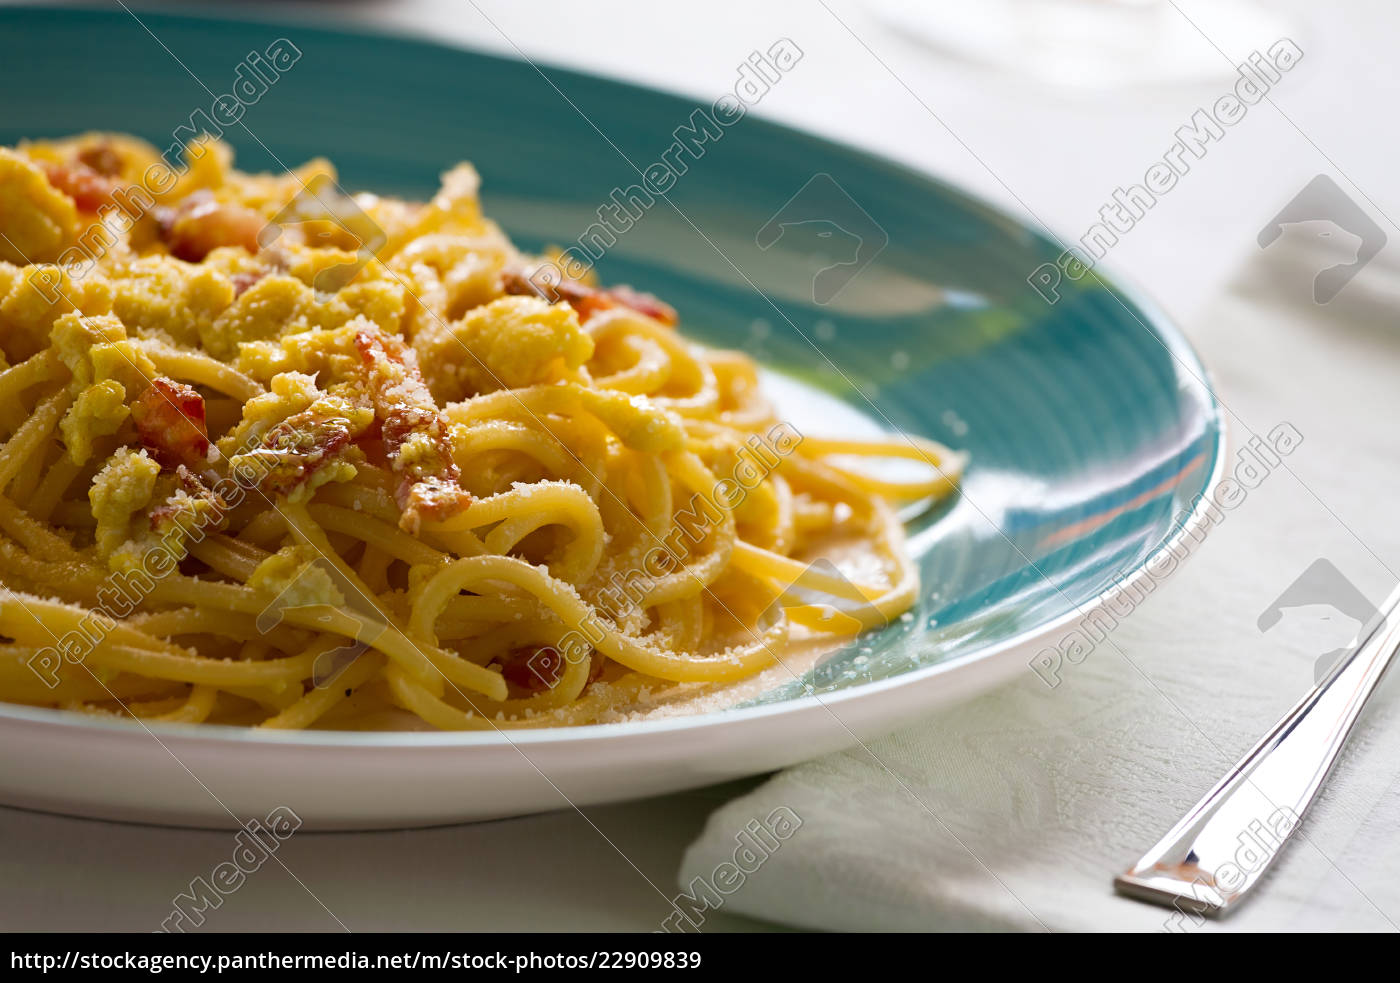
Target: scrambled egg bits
[[208, 319]]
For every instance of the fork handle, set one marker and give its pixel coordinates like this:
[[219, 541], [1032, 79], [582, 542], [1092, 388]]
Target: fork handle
[[1220, 850]]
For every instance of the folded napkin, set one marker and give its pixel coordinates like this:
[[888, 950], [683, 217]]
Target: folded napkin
[[1015, 810]]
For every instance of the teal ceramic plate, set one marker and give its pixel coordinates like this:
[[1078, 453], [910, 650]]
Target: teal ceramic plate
[[879, 296]]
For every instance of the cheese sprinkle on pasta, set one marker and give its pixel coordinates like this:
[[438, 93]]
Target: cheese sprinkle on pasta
[[278, 457]]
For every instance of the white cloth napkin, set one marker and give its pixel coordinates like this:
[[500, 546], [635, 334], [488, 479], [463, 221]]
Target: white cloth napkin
[[1041, 795]]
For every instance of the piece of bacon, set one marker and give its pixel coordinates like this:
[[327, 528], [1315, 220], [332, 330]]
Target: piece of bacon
[[296, 448], [429, 486], [242, 281], [169, 418], [103, 157], [536, 668], [172, 512], [199, 225], [89, 189], [533, 668], [588, 301]]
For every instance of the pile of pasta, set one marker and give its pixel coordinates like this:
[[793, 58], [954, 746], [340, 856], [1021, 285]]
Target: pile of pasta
[[275, 460]]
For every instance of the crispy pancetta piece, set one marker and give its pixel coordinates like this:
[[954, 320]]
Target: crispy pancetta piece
[[415, 433], [588, 301], [169, 418]]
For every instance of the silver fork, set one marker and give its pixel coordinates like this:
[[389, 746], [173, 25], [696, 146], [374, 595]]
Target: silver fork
[[1221, 849]]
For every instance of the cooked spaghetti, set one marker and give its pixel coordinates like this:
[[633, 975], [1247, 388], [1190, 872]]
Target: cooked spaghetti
[[281, 458]]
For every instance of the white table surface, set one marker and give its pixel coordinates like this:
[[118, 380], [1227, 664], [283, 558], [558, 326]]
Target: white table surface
[[1060, 155]]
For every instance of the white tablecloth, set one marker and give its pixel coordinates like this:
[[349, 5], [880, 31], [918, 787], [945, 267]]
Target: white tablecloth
[[1015, 810]]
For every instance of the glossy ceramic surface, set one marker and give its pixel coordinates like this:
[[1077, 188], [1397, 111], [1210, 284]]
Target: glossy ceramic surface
[[883, 298]]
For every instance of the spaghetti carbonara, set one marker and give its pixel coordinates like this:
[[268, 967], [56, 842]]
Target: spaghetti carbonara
[[279, 457]]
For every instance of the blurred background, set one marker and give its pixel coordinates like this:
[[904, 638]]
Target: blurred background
[[1045, 106]]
